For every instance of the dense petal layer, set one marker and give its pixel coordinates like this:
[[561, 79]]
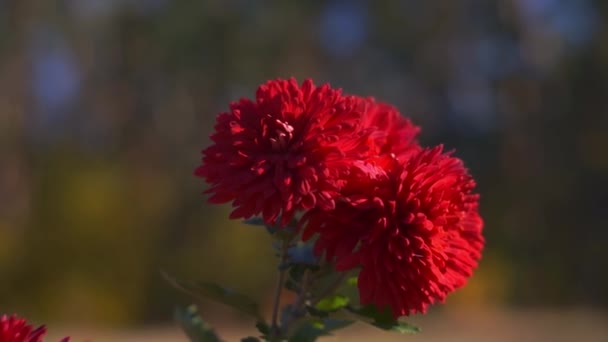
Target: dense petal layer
[[392, 133], [414, 230], [286, 150], [14, 329]]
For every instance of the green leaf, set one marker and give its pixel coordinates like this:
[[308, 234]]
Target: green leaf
[[372, 312], [332, 324], [317, 313], [312, 329], [294, 277], [383, 319], [403, 328], [263, 328], [332, 303], [193, 325], [255, 221], [350, 289], [250, 339], [219, 294]]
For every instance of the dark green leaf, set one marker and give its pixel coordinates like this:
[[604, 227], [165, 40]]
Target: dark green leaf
[[350, 290], [383, 319], [263, 328], [255, 221], [403, 328], [294, 277], [332, 303], [192, 324], [219, 294], [332, 324], [317, 313], [372, 312], [311, 330], [250, 339]]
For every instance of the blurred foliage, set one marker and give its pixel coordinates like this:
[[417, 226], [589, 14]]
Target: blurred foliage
[[105, 105]]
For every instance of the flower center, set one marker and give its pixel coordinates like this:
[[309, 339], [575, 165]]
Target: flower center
[[280, 135]]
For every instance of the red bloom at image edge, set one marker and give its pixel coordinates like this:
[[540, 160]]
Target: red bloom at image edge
[[284, 151], [14, 329], [413, 229]]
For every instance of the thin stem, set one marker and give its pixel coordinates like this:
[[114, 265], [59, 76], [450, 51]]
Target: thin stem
[[297, 309], [303, 294], [277, 296]]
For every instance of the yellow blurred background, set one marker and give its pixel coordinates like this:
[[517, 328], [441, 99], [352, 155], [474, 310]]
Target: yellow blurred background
[[106, 104]]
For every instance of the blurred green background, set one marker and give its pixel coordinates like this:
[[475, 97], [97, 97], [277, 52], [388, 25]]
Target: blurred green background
[[106, 104]]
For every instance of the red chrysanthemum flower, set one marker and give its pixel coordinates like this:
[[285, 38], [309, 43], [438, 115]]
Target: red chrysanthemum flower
[[392, 132], [14, 329], [284, 151], [412, 227]]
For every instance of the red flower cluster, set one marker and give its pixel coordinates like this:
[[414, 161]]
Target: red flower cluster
[[376, 200], [14, 329], [285, 151], [413, 230]]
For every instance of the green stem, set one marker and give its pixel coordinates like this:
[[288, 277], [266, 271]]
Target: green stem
[[298, 308], [303, 294], [274, 330]]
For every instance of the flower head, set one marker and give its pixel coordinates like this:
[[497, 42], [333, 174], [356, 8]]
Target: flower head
[[411, 226], [14, 329], [284, 151], [392, 132]]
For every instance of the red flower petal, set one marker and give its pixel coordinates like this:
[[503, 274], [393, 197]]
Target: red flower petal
[[14, 329], [287, 150], [392, 132], [421, 240]]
